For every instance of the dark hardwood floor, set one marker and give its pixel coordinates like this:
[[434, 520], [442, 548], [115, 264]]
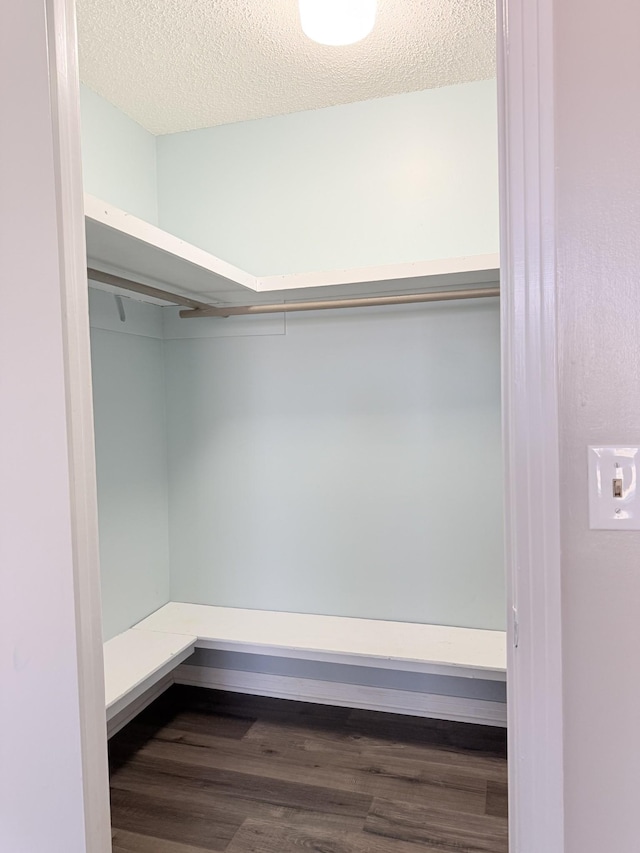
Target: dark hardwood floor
[[201, 771]]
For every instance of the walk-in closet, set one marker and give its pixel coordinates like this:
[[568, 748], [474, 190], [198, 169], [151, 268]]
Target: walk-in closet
[[292, 240]]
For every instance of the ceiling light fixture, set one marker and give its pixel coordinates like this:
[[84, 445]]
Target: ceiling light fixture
[[337, 22]]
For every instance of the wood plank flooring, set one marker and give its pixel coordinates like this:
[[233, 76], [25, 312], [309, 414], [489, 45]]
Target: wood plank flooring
[[202, 771]]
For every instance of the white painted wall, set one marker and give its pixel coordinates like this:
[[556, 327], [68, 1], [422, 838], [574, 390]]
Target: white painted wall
[[351, 466], [405, 178], [598, 228], [118, 158], [131, 455]]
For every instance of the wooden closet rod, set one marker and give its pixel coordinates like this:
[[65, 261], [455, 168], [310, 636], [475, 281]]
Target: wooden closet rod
[[203, 309], [359, 302], [145, 289]]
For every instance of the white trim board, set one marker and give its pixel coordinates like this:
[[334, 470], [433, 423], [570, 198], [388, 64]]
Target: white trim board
[[122, 244], [56, 70], [384, 699], [462, 652]]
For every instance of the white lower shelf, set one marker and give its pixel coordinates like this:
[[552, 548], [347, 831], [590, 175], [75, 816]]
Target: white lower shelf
[[462, 652], [135, 660], [144, 661]]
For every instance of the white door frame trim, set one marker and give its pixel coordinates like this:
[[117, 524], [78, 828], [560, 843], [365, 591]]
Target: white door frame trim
[[525, 46], [65, 100], [531, 426]]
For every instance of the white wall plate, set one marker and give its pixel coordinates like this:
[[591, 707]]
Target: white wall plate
[[614, 497]]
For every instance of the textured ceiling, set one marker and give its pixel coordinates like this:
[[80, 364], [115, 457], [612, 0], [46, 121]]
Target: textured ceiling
[[177, 65]]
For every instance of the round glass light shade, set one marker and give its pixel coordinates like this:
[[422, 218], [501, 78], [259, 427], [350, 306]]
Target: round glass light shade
[[337, 22]]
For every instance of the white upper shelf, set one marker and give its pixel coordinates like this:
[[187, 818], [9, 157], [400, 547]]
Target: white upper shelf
[[121, 244]]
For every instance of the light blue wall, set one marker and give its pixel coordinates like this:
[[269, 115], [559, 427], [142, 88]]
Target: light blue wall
[[118, 158], [351, 466], [131, 450], [405, 178], [344, 463]]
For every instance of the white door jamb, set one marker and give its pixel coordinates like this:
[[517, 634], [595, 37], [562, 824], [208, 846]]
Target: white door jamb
[[63, 63], [530, 419]]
